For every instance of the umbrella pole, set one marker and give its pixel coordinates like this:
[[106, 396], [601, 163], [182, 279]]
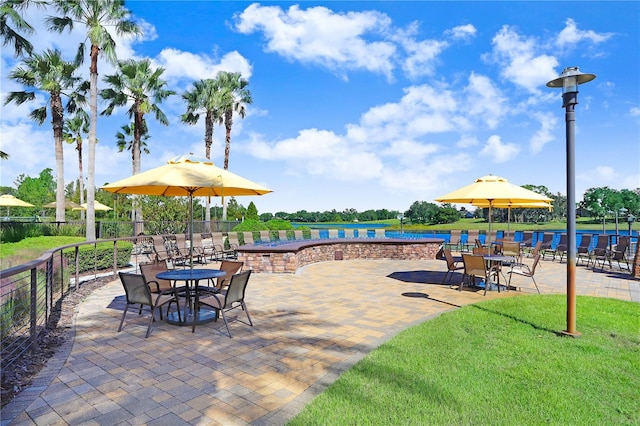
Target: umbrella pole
[[191, 230]]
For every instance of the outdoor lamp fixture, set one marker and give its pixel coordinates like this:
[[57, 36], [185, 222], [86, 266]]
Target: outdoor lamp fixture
[[630, 219], [401, 218], [569, 81]]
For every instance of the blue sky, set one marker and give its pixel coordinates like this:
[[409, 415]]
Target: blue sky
[[372, 105]]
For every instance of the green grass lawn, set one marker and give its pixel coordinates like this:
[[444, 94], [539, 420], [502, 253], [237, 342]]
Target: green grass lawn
[[499, 362]]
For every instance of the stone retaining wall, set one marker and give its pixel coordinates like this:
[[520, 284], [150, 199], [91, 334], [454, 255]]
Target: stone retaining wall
[[281, 260]]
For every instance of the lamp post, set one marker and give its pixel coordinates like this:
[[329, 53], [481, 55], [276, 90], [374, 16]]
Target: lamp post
[[569, 80], [630, 219], [401, 219]]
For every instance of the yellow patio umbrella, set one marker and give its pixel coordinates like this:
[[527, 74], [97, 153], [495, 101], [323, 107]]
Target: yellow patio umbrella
[[7, 201], [188, 176], [68, 204], [493, 191], [97, 205]]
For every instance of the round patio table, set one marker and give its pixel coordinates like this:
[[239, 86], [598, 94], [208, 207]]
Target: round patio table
[[192, 313]]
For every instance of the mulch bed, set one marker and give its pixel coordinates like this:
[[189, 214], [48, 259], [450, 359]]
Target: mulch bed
[[22, 372]]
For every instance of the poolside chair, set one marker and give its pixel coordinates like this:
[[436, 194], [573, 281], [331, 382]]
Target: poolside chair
[[561, 247], [619, 252], [219, 246], [183, 249], [333, 233], [455, 240], [204, 250], [600, 253], [470, 241], [483, 251], [265, 237], [380, 233], [582, 251], [234, 243], [452, 265], [524, 270], [476, 267], [547, 245], [349, 233], [363, 233], [298, 235], [165, 251], [315, 234], [248, 237], [282, 235], [527, 240], [232, 299], [137, 292]]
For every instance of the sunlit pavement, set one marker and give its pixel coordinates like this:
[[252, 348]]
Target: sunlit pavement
[[308, 329]]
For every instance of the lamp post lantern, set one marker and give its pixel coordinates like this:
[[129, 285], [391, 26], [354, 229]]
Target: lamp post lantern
[[569, 80]]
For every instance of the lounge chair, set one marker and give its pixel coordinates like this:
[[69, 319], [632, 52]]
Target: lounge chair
[[283, 236], [315, 234], [348, 233], [265, 236], [298, 235], [600, 253], [247, 236], [619, 252], [333, 233], [455, 240], [582, 251], [380, 233]]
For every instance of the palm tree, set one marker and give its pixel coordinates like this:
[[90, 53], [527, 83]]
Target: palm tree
[[95, 15], [205, 98], [138, 84], [11, 11], [73, 132], [124, 139], [48, 72], [234, 97]]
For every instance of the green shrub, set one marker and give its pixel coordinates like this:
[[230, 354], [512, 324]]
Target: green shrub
[[250, 225], [279, 224], [103, 255], [13, 232]]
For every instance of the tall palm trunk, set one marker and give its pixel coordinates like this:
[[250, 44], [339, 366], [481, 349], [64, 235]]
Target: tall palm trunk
[[81, 183], [228, 122], [91, 155], [208, 141], [138, 123], [57, 121]]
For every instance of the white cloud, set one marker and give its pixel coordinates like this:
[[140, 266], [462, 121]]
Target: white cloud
[[484, 100], [521, 63], [543, 135], [634, 111], [337, 41], [571, 35], [191, 66], [462, 32], [498, 151], [466, 141]]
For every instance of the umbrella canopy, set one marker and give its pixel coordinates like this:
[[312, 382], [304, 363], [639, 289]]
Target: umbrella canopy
[[190, 176], [97, 205], [7, 201], [68, 204], [187, 176], [493, 191]]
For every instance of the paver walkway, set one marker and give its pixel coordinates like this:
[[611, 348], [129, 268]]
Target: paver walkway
[[309, 328]]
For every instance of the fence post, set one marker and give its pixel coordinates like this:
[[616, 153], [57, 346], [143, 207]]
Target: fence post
[[34, 305]]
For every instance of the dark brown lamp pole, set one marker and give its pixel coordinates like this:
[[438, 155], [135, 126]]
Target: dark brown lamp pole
[[569, 80]]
